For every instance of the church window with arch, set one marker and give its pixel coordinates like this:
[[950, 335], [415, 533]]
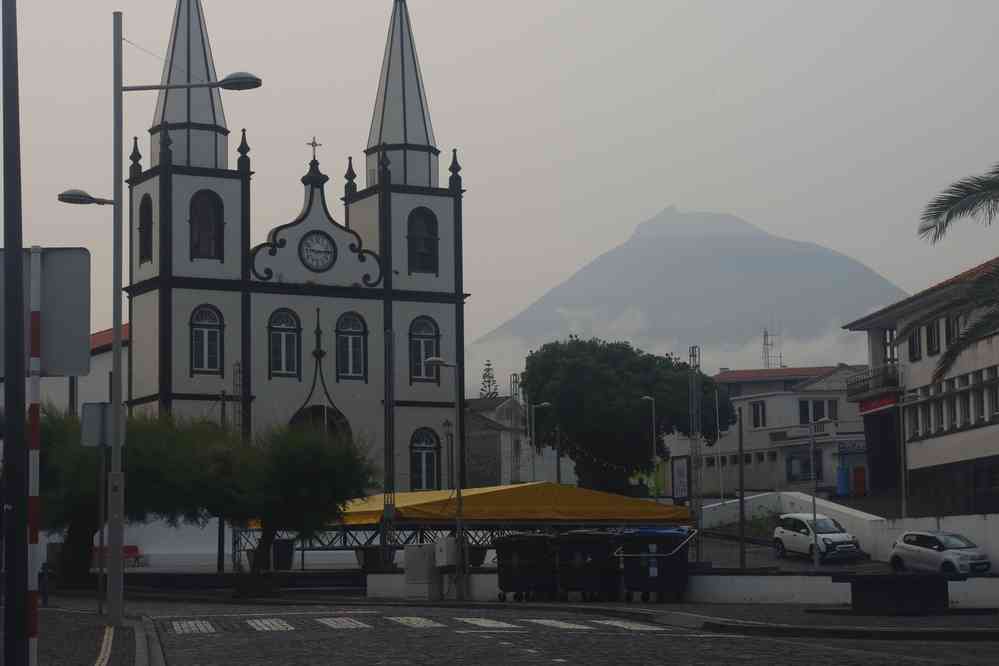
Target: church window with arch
[[424, 242], [284, 333], [425, 460], [424, 344], [145, 230], [207, 346], [207, 226], [351, 348]]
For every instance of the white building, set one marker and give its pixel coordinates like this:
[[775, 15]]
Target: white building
[[950, 428], [332, 318], [778, 407]]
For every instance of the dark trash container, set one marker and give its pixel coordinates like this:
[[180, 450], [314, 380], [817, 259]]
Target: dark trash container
[[526, 566], [655, 563], [284, 554], [587, 564], [376, 559]]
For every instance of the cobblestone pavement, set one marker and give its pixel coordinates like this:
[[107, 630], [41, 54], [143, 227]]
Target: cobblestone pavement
[[71, 638], [812, 616], [504, 635]]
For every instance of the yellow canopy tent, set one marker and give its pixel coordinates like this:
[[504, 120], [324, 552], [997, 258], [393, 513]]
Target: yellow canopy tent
[[540, 502]]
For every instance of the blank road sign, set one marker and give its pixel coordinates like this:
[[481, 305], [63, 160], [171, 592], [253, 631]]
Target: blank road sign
[[65, 311]]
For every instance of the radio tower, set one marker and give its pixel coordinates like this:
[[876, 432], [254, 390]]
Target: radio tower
[[772, 356]]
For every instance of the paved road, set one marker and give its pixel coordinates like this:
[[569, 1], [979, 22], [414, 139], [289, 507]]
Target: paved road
[[519, 634]]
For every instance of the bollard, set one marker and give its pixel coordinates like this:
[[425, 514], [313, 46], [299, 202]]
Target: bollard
[[43, 584]]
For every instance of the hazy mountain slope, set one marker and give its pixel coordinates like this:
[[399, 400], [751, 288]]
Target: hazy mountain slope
[[698, 278]]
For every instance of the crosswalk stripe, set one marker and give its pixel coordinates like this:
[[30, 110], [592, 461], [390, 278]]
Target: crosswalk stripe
[[342, 623], [486, 623], [193, 627], [416, 622], [270, 624], [633, 626], [558, 624]]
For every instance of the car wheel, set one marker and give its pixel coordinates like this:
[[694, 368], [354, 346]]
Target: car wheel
[[779, 549], [948, 568], [897, 565]]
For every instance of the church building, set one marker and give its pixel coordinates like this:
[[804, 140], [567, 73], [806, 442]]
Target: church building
[[332, 319]]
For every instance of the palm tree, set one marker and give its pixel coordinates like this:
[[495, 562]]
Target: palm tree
[[975, 197]]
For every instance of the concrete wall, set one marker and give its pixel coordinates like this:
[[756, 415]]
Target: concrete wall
[[728, 589]]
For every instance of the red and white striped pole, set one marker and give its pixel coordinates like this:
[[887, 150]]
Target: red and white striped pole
[[34, 450]]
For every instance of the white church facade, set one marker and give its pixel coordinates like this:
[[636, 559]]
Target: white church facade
[[332, 319]]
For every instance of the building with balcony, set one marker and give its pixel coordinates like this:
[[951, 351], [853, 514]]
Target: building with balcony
[[944, 434], [780, 407]]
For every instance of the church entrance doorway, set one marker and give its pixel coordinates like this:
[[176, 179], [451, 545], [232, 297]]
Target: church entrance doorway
[[328, 420]]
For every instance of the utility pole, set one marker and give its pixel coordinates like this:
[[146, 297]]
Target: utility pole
[[696, 492], [721, 476], [20, 638], [742, 500]]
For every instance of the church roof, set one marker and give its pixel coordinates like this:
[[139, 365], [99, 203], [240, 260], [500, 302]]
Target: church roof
[[189, 60], [402, 115]]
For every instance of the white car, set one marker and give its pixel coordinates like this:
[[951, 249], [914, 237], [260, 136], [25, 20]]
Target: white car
[[943, 552], [793, 534]]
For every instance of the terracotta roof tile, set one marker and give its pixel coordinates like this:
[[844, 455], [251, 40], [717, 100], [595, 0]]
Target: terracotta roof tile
[[771, 374], [101, 340]]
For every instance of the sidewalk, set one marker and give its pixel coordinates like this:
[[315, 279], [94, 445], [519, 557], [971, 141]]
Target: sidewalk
[[71, 638]]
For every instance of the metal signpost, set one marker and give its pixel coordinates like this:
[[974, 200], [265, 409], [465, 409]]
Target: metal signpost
[[95, 431]]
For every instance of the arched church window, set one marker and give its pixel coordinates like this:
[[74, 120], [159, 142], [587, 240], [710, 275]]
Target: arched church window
[[207, 225], [351, 347], [424, 242], [145, 229], [424, 344], [284, 330], [425, 460], [207, 348]]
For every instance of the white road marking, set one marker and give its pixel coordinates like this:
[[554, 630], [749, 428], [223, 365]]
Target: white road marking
[[558, 624], [631, 626], [416, 622], [337, 611], [193, 627], [270, 624], [342, 623], [486, 623]]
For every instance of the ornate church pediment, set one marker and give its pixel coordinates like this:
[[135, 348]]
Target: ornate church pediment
[[314, 248]]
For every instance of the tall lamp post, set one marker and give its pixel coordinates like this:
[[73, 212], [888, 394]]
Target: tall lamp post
[[116, 479], [534, 446], [815, 489], [459, 521], [649, 398], [449, 438]]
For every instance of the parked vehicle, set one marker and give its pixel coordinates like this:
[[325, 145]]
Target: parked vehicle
[[793, 534], [944, 552]]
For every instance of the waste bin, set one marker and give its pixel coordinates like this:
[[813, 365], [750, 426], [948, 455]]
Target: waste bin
[[586, 564], [526, 566], [284, 554], [655, 563]]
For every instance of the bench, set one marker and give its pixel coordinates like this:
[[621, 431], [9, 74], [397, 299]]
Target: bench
[[131, 556], [899, 594]]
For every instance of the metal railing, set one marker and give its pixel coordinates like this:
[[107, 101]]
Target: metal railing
[[872, 380]]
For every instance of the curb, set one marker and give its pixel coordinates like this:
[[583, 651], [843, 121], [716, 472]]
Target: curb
[[856, 633], [141, 645]]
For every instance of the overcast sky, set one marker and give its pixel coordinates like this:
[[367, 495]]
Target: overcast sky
[[576, 119]]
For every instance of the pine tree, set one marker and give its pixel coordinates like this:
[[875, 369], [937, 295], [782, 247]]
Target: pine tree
[[489, 387]]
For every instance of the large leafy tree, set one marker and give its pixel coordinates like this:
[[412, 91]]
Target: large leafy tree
[[290, 479], [974, 197], [598, 416], [165, 479]]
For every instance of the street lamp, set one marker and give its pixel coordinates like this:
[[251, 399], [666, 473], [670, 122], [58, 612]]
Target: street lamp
[[649, 398], [116, 480], [459, 527], [449, 437], [534, 446], [815, 490]]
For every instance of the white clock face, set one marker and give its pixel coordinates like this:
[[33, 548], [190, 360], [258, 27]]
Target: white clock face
[[317, 251]]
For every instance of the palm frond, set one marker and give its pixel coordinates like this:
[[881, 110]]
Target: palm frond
[[974, 196], [983, 327]]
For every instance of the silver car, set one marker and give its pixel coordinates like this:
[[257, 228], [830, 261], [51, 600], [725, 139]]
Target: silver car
[[942, 552]]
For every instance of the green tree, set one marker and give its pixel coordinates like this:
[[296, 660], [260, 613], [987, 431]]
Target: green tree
[[489, 387], [598, 417], [975, 197], [165, 479], [290, 479]]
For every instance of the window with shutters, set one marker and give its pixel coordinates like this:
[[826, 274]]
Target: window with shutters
[[146, 230], [424, 344], [351, 348], [759, 414], [207, 349], [284, 330], [424, 242]]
